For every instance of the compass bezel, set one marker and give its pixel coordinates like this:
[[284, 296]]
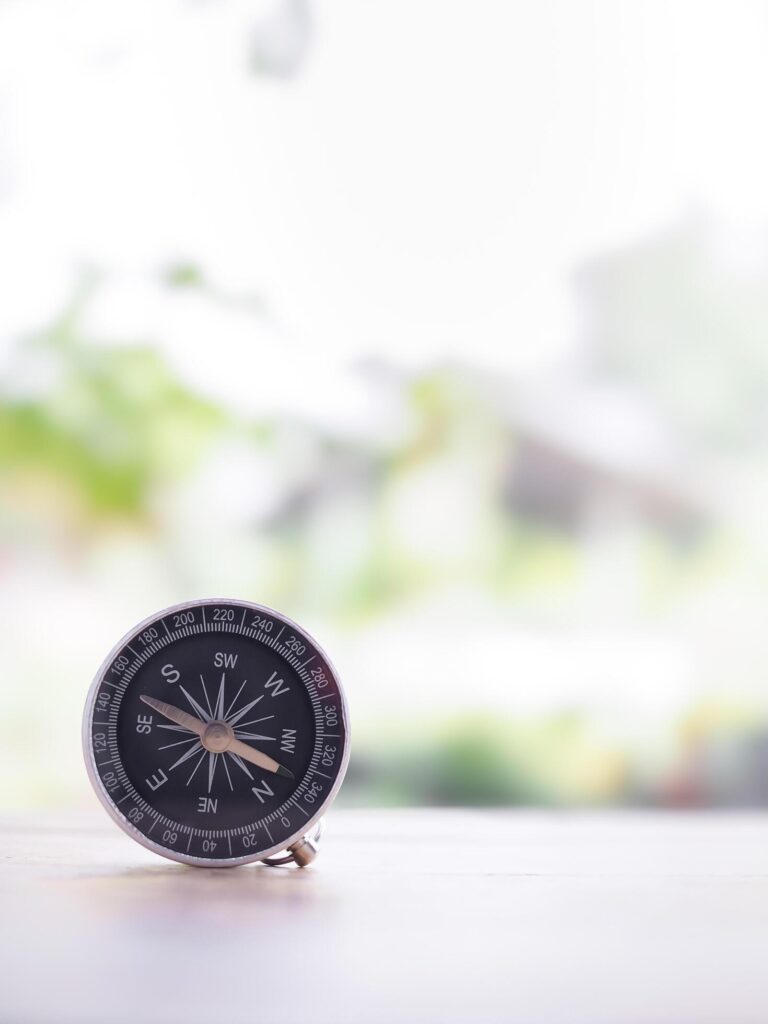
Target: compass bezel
[[124, 823]]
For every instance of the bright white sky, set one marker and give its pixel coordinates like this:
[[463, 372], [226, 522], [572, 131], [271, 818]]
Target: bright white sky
[[423, 188]]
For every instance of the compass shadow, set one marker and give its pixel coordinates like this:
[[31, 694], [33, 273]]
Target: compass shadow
[[180, 891]]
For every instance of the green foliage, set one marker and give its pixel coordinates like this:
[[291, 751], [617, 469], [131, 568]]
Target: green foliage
[[109, 424], [483, 761]]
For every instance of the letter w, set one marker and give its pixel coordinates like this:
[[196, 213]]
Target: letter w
[[277, 686]]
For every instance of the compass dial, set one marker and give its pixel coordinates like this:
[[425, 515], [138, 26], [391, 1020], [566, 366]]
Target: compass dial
[[216, 732]]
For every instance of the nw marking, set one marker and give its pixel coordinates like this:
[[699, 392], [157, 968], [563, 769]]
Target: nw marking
[[288, 742]]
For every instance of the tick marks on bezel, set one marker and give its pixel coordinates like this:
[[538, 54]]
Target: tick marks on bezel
[[220, 722]]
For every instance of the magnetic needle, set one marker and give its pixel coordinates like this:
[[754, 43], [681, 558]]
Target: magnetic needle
[[216, 733]]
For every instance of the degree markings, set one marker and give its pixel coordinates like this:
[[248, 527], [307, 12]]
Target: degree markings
[[316, 700]]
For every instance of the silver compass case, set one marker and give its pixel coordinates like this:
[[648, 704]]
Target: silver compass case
[[180, 693]]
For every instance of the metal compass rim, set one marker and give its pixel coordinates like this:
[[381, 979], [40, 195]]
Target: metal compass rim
[[305, 827]]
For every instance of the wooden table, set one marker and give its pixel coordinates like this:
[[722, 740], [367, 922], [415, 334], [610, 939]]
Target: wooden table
[[407, 916]]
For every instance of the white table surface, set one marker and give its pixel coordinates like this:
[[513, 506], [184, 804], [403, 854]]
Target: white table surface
[[406, 916]]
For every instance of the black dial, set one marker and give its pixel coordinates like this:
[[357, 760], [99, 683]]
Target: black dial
[[216, 732]]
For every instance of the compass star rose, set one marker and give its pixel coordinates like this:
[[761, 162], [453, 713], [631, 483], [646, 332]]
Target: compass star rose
[[216, 733]]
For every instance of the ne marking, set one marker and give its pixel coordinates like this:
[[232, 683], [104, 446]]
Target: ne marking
[[166, 629], [308, 661], [266, 827]]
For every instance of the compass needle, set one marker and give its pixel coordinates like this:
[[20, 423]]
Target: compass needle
[[175, 714], [241, 764], [256, 757], [171, 740]]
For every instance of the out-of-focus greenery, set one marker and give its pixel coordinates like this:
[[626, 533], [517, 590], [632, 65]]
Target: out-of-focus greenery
[[107, 426], [477, 759], [98, 438]]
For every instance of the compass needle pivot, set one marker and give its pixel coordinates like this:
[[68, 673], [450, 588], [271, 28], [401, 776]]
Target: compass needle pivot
[[216, 733]]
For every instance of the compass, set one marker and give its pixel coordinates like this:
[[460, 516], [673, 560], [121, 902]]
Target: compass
[[216, 733]]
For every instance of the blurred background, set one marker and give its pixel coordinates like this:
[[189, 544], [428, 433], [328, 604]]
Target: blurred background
[[440, 326]]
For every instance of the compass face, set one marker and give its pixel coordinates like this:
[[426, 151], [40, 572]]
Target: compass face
[[216, 732]]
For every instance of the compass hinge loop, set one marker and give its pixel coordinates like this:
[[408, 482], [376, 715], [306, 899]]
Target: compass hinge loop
[[301, 853]]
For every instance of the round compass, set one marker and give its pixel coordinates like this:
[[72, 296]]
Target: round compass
[[215, 733]]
